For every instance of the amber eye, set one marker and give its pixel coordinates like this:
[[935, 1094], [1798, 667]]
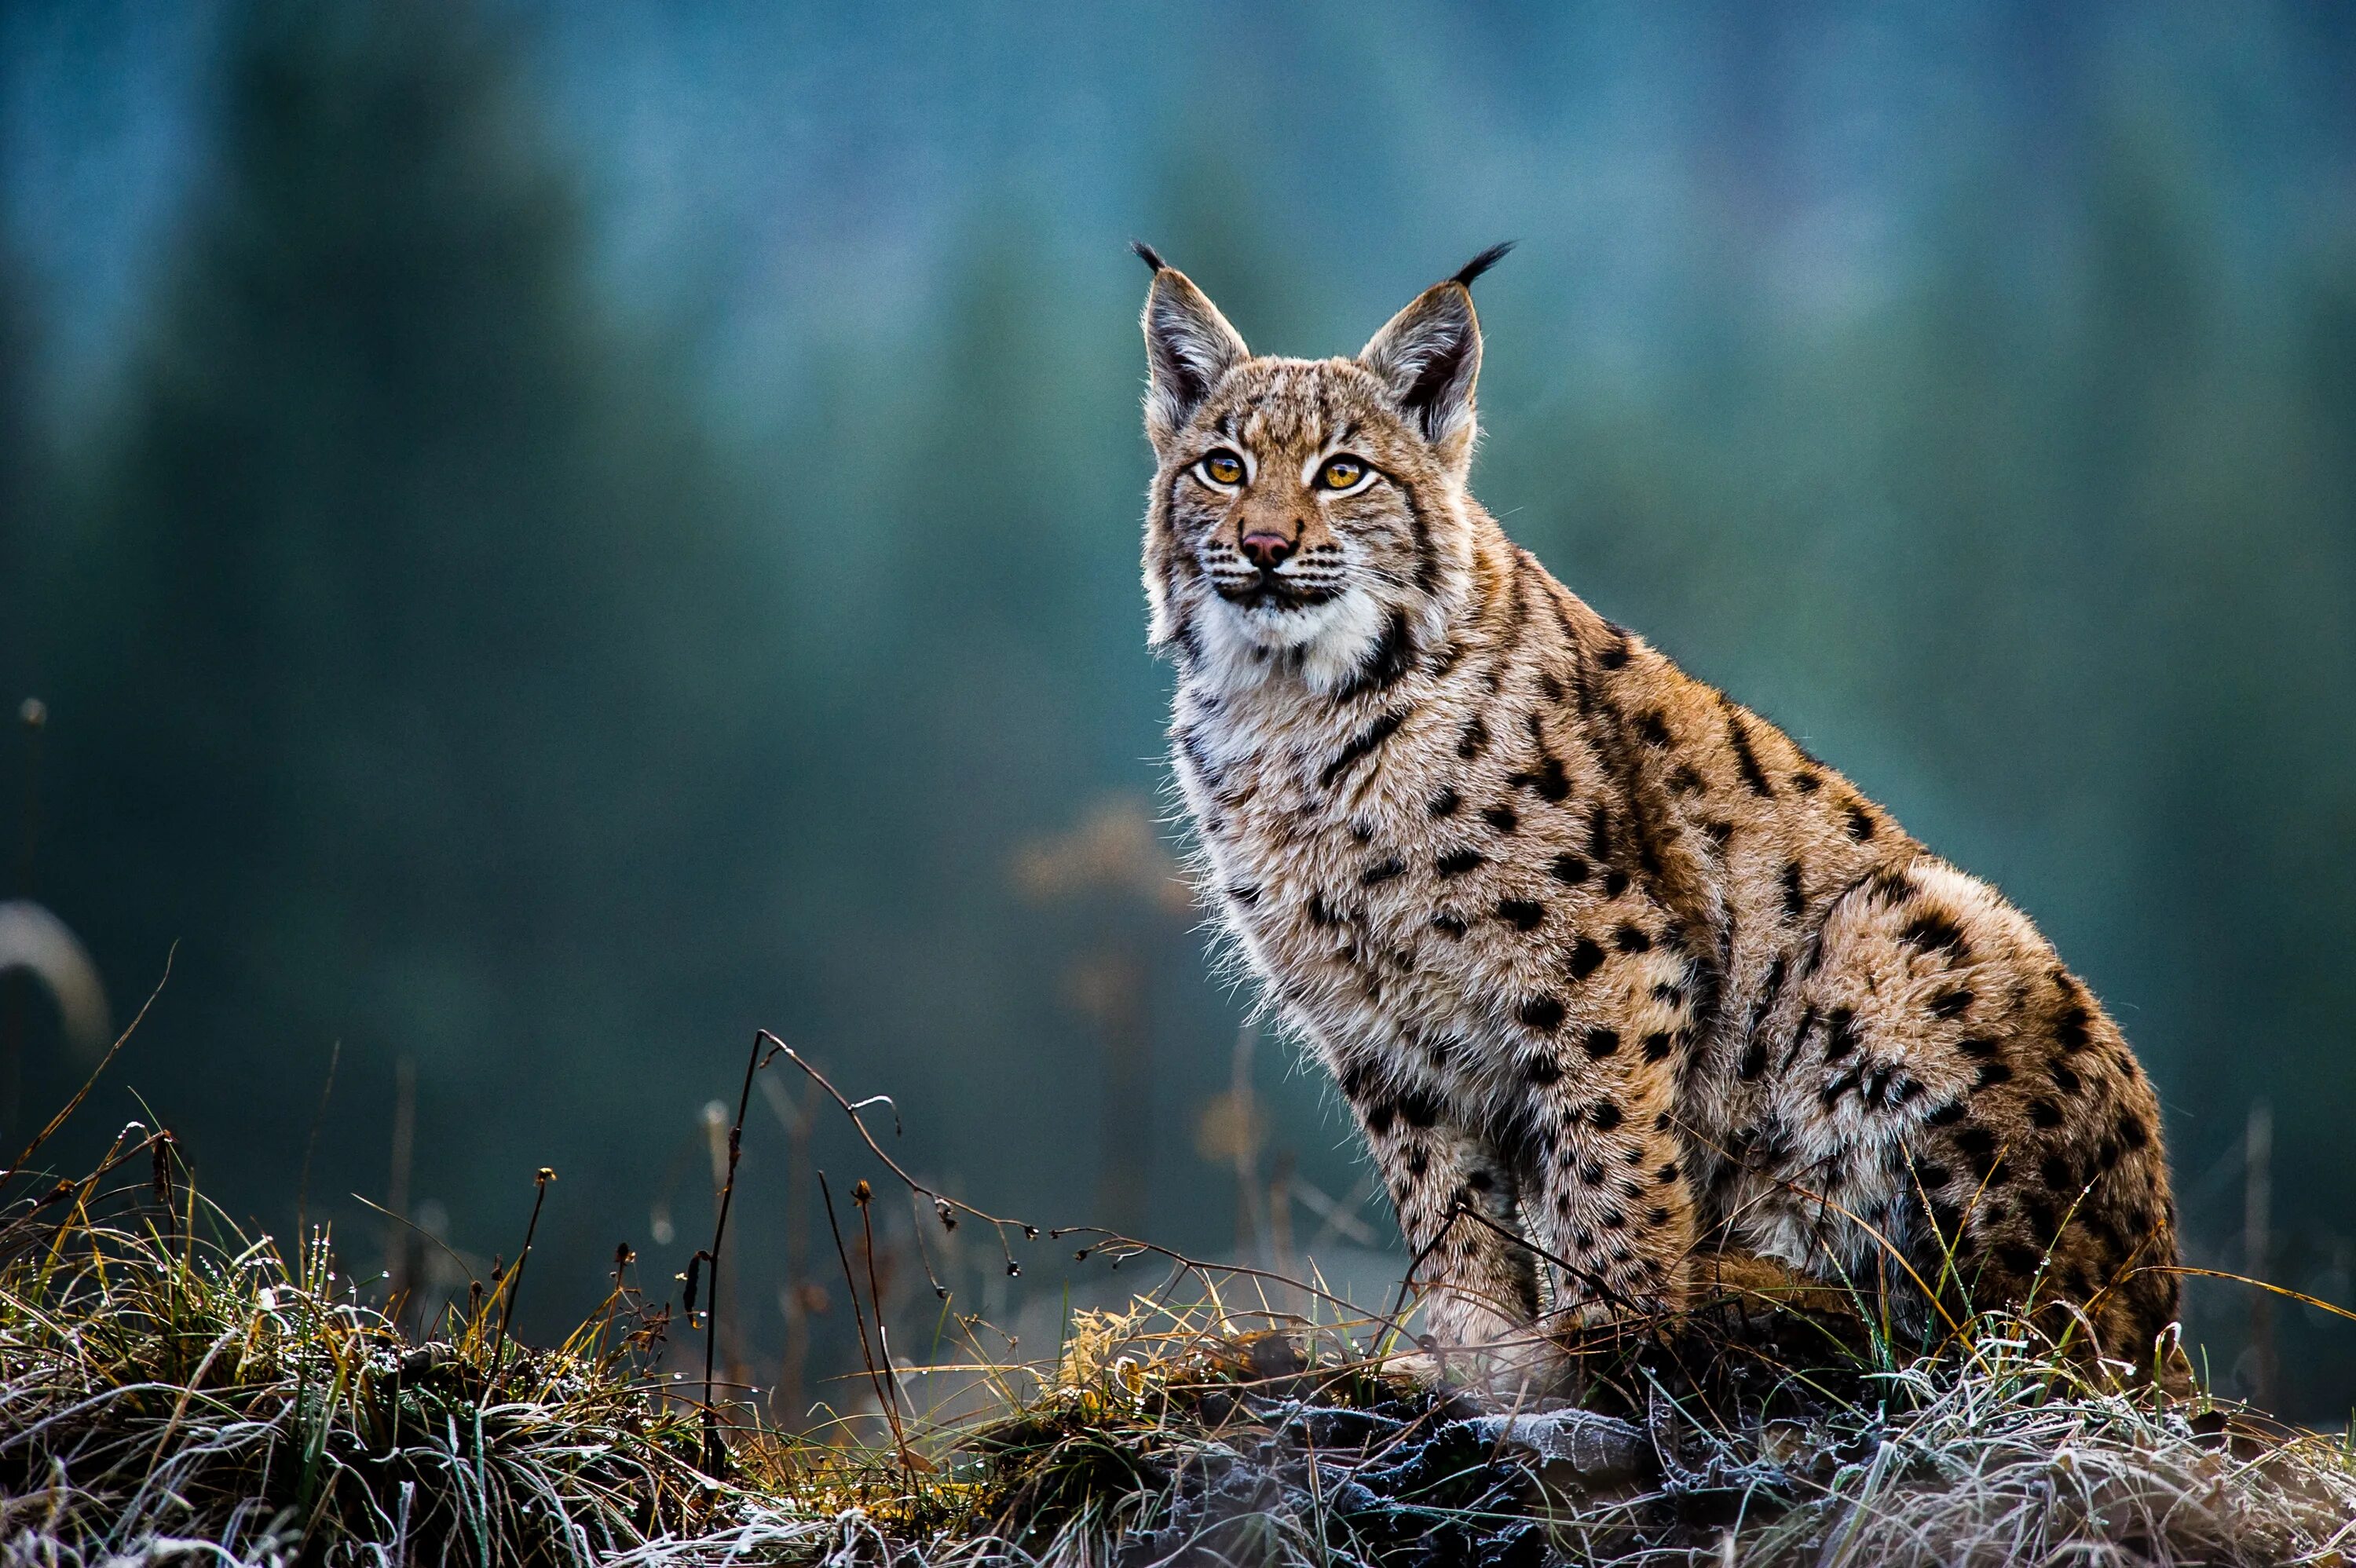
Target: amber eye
[[1223, 468], [1341, 473]]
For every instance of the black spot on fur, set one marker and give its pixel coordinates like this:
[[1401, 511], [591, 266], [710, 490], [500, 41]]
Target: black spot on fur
[[1860, 825], [2045, 1113], [1658, 1044], [1586, 957], [2018, 1260], [2044, 1219], [1718, 833], [1318, 914], [1949, 1004], [1628, 939], [1449, 925], [1456, 862], [1978, 1046], [2132, 1131], [1551, 783], [1392, 657], [1666, 1174], [1542, 1070], [1418, 1161], [2069, 1029], [1745, 761], [1522, 915], [1753, 1062], [1374, 876], [1244, 893], [1473, 738], [1807, 1026], [1946, 1115], [1840, 1037], [1654, 730], [1807, 783], [1614, 883], [2059, 1174], [1549, 687], [1687, 781], [1372, 736], [1977, 1143], [1544, 1014], [1599, 832], [1932, 1176], [1479, 1182], [1603, 1115], [1445, 802], [1198, 755], [1568, 869], [1379, 1117], [1947, 1219], [1615, 653], [1795, 898], [2064, 1079], [1501, 818], [1603, 1041], [1992, 1074], [1420, 1110], [1933, 931]]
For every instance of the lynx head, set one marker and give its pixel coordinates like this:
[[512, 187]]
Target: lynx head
[[1307, 516]]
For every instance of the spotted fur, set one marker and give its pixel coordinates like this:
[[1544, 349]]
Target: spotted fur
[[1599, 959]]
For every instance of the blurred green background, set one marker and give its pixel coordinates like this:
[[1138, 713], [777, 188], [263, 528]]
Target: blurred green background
[[552, 535]]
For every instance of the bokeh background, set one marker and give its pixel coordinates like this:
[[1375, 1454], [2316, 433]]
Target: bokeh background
[[553, 535]]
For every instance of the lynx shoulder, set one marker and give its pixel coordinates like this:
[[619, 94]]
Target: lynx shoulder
[[1609, 969]]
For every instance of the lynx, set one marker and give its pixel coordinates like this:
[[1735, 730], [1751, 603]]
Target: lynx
[[1613, 974]]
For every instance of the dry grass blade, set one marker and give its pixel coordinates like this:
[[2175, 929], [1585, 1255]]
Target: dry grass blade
[[172, 1387]]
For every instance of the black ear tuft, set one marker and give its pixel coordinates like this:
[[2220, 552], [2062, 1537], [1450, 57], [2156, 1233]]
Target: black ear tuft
[[1147, 254], [1483, 262]]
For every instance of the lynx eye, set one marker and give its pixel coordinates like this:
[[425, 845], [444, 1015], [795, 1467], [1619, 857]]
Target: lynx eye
[[1223, 468], [1341, 473]]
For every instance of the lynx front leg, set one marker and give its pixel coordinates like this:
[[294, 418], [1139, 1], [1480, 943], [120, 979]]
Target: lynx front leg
[[1608, 1197], [1482, 1284]]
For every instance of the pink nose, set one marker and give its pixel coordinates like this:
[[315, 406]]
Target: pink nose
[[1267, 551]]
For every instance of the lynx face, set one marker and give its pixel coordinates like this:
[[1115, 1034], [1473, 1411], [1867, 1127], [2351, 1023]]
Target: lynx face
[[1307, 513]]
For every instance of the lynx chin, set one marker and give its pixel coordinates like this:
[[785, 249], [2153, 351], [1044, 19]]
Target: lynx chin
[[1613, 974]]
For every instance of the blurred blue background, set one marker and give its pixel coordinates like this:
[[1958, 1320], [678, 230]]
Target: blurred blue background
[[551, 535]]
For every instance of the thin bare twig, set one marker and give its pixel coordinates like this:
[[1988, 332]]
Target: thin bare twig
[[859, 1318], [514, 1281], [715, 1451]]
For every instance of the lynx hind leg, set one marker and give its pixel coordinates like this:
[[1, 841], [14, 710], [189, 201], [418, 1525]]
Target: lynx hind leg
[[1457, 1204], [1950, 1082]]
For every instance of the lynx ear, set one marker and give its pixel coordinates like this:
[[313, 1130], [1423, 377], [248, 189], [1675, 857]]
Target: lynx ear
[[1188, 346], [1429, 357]]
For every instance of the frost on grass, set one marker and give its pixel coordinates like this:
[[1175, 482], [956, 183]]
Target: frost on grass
[[171, 1391]]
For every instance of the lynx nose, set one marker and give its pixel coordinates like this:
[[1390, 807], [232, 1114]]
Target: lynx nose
[[1267, 551]]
